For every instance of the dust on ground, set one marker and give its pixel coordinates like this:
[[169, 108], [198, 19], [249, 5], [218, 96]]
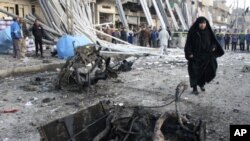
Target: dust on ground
[[152, 82]]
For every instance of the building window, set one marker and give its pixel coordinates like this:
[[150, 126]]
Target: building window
[[6, 8], [33, 9], [11, 10], [106, 6], [16, 9]]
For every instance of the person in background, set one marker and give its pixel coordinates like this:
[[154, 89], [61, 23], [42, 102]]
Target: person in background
[[113, 34], [117, 34], [142, 36], [135, 37], [109, 32], [220, 37], [154, 37], [248, 40], [38, 33], [24, 34], [242, 38], [234, 40], [227, 39], [163, 37], [170, 36], [149, 38], [130, 36], [15, 30], [124, 34]]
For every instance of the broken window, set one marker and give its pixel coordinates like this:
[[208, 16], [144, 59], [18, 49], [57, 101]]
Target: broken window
[[106, 17]]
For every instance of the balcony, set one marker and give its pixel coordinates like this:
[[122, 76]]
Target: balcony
[[222, 7], [132, 1], [220, 20]]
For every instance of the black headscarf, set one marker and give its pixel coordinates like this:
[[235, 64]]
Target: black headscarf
[[204, 34], [207, 35]]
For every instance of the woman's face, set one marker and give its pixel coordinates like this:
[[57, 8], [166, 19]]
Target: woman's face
[[202, 25]]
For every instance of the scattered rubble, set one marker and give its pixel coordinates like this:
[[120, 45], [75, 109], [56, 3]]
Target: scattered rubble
[[87, 67], [47, 100], [246, 68]]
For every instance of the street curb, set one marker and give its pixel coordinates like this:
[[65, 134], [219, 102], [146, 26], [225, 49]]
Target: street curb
[[17, 71]]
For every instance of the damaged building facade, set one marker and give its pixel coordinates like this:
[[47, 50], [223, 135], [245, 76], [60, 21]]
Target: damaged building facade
[[20, 7], [105, 11]]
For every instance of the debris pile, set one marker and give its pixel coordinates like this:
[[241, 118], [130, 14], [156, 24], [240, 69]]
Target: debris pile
[[246, 68], [87, 67], [108, 121]]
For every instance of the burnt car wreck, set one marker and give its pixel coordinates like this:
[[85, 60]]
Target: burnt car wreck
[[106, 121], [85, 68]]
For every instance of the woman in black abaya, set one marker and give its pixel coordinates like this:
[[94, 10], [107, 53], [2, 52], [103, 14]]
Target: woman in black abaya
[[201, 51]]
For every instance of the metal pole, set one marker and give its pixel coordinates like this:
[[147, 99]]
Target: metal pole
[[237, 12], [71, 19], [245, 5], [67, 15]]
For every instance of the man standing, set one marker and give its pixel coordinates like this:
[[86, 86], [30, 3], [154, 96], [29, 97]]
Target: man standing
[[248, 40], [170, 36], [123, 34], [38, 33], [149, 38], [163, 37], [24, 35], [142, 36], [227, 39], [201, 51], [154, 37], [130, 36], [16, 36], [234, 40], [220, 37], [242, 38]]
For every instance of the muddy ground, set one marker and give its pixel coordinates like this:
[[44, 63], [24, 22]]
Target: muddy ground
[[152, 82]]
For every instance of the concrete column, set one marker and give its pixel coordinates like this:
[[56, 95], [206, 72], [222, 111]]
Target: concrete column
[[98, 15], [113, 21], [93, 13]]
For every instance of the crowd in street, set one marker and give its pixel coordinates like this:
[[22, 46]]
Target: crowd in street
[[141, 36], [19, 32], [236, 40]]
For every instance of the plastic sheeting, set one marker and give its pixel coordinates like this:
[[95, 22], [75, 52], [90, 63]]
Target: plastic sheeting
[[5, 40], [66, 44]]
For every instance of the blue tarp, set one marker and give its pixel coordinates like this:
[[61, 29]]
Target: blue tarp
[[5, 40], [65, 47]]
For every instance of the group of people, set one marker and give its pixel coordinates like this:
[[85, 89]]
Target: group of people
[[235, 39], [19, 32], [142, 36]]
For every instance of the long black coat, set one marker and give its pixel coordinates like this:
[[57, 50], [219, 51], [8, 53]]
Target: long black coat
[[202, 67], [38, 32]]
